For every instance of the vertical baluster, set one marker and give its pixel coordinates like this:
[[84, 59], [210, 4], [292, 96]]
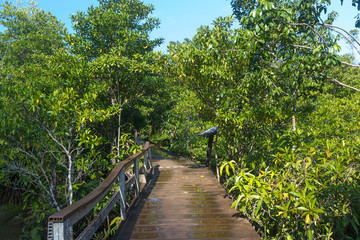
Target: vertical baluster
[[61, 231], [137, 177], [146, 159], [145, 167], [122, 194], [150, 157], [50, 232]]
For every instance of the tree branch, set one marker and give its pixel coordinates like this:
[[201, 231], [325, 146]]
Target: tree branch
[[350, 64], [302, 46], [312, 29], [352, 36], [56, 141], [351, 42], [310, 48], [343, 84]]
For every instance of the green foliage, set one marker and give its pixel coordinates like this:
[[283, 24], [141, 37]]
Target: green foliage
[[114, 38], [180, 124], [264, 85], [30, 33], [70, 103], [122, 25], [59, 95], [243, 8], [49, 103], [112, 227], [127, 148], [312, 191]]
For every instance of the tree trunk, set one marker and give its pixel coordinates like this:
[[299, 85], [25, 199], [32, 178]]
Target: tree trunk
[[70, 188], [295, 92], [117, 141], [293, 119], [294, 123], [119, 132]]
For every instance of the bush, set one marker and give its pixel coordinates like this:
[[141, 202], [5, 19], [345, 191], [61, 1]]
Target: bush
[[311, 192]]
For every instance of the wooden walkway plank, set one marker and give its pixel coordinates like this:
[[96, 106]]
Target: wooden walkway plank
[[184, 202]]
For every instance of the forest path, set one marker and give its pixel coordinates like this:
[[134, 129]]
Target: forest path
[[183, 201]]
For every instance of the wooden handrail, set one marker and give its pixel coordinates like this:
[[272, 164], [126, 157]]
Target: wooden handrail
[[60, 222], [97, 193]]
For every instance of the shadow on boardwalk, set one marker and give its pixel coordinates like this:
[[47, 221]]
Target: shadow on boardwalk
[[183, 201]]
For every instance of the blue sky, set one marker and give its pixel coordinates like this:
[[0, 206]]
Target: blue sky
[[180, 18], [346, 20]]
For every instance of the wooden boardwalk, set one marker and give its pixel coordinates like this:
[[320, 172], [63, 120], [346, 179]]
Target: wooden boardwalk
[[183, 202]]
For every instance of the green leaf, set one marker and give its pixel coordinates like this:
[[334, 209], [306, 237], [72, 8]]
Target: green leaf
[[310, 234], [35, 234], [303, 209]]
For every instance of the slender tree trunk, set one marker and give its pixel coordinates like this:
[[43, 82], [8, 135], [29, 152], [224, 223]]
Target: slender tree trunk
[[293, 123], [70, 188], [294, 110], [293, 119], [119, 131], [55, 182]]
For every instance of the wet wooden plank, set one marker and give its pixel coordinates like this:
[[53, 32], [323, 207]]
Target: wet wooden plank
[[184, 202]]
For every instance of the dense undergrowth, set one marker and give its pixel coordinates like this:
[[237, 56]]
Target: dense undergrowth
[[307, 183], [311, 191]]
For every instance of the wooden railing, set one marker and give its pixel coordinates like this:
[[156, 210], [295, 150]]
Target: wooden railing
[[60, 223]]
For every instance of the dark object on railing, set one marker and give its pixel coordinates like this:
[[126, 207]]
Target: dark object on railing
[[60, 223], [210, 132], [210, 135]]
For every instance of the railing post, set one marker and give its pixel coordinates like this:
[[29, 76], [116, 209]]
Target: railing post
[[150, 157], [137, 177], [122, 194], [61, 231], [146, 159], [145, 167]]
